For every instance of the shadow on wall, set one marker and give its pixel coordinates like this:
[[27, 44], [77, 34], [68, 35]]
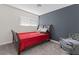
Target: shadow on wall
[[53, 33]]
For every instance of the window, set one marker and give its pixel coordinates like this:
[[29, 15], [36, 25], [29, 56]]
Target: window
[[27, 21]]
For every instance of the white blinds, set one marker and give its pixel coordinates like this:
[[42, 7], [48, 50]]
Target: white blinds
[[27, 21]]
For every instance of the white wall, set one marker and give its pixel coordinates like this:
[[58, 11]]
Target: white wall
[[10, 19]]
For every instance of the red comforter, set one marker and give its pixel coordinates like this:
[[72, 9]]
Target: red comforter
[[30, 39]]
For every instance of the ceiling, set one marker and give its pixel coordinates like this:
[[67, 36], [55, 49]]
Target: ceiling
[[39, 9]]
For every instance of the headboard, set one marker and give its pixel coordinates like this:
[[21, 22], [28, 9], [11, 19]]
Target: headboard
[[50, 29]]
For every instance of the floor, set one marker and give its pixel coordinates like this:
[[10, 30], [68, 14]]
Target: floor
[[47, 48]]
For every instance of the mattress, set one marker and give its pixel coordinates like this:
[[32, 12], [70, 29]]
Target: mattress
[[29, 39]]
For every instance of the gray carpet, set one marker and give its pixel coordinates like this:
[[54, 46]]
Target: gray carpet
[[47, 48]]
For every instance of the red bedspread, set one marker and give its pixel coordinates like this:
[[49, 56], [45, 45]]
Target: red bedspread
[[30, 39]]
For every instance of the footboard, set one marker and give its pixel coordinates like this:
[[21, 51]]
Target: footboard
[[16, 41]]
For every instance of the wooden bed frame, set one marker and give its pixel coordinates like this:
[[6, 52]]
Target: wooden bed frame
[[16, 38], [16, 41]]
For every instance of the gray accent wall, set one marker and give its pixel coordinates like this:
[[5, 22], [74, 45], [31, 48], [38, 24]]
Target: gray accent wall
[[65, 20]]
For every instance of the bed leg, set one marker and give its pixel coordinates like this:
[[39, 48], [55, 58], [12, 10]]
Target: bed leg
[[18, 53], [49, 40], [19, 50]]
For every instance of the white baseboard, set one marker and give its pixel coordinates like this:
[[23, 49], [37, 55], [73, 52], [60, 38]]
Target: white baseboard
[[55, 41], [3, 43]]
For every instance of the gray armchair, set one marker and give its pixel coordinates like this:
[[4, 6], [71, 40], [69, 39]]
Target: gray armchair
[[71, 44]]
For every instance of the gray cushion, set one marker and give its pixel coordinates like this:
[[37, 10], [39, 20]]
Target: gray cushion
[[74, 36]]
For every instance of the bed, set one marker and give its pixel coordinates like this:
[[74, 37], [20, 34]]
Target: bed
[[26, 40]]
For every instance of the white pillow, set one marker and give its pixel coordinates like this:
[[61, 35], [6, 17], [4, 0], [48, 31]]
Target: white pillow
[[42, 29]]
